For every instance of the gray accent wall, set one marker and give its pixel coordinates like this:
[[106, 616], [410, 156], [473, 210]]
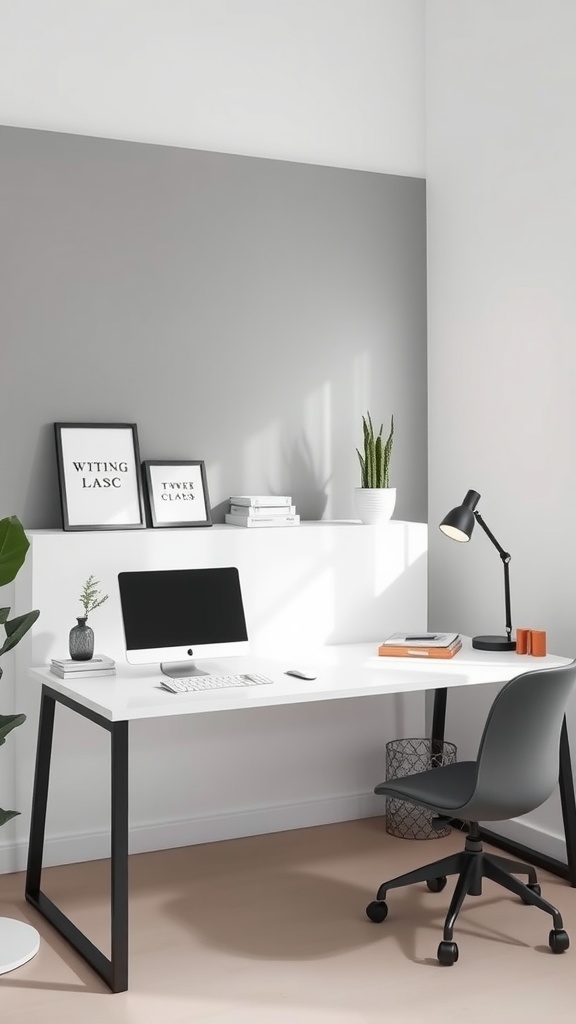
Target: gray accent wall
[[239, 310]]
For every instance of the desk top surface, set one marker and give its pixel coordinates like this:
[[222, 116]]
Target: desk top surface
[[343, 670]]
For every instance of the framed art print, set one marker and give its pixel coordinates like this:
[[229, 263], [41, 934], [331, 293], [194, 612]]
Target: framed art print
[[177, 493], [99, 476]]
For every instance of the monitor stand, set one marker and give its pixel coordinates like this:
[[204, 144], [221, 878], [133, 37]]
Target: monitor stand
[[177, 669]]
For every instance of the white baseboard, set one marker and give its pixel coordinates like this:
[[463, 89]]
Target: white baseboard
[[72, 849]]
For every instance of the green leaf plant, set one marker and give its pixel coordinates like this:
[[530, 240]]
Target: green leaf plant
[[13, 547], [90, 597], [375, 462]]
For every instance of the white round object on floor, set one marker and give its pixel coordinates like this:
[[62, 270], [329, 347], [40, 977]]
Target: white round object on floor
[[19, 942]]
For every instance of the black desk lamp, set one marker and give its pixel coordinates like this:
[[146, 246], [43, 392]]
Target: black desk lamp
[[458, 525]]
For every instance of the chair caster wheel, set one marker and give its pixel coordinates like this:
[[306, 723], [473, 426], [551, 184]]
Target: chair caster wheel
[[437, 884], [447, 953], [558, 940], [534, 887], [377, 911]]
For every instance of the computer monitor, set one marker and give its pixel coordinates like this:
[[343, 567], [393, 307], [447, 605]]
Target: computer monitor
[[171, 616]]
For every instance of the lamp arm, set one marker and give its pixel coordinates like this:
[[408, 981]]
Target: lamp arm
[[504, 555]]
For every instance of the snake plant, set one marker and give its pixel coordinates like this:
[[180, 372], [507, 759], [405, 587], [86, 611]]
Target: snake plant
[[375, 462], [13, 547]]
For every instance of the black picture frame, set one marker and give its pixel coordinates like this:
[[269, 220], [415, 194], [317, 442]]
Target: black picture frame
[[177, 493], [99, 476]]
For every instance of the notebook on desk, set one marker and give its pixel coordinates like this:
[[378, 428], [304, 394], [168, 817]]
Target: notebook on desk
[[420, 645]]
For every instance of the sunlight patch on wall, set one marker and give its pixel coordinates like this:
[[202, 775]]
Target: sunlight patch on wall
[[392, 560], [302, 617], [319, 461]]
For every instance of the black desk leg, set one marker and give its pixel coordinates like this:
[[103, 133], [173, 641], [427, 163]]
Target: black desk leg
[[438, 721], [568, 802], [114, 971], [119, 857], [40, 795]]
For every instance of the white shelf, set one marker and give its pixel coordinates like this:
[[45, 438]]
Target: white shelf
[[304, 586]]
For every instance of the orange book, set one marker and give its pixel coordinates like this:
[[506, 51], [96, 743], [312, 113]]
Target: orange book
[[386, 650]]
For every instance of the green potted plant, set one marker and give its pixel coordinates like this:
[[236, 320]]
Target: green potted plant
[[81, 639], [18, 941], [375, 499], [13, 547]]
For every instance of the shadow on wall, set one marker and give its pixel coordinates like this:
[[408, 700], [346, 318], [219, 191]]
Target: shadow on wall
[[310, 492]]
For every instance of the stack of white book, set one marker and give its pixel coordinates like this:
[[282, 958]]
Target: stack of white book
[[262, 510], [99, 665]]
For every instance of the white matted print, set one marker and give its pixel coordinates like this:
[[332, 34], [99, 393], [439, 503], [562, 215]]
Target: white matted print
[[177, 493], [99, 476]]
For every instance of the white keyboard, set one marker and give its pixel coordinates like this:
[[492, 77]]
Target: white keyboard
[[189, 684]]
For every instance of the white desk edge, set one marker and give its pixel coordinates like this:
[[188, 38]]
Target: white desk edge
[[343, 670]]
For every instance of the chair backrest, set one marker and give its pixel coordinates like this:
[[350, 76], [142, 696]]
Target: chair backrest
[[517, 764]]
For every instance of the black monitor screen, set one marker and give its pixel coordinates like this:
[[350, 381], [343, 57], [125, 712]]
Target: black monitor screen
[[171, 608]]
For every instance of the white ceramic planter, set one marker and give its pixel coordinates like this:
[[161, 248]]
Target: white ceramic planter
[[375, 504]]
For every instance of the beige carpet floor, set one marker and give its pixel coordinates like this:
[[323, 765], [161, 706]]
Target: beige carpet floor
[[272, 930]]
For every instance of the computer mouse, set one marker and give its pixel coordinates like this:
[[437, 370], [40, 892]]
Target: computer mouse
[[301, 673]]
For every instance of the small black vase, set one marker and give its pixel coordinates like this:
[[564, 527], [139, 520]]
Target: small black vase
[[81, 641]]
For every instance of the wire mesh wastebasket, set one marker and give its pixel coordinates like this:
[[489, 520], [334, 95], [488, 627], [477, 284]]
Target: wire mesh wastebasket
[[407, 757]]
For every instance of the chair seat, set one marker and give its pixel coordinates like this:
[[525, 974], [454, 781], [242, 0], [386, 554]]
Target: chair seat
[[443, 790]]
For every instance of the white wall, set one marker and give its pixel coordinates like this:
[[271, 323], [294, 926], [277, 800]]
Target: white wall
[[338, 82], [501, 151]]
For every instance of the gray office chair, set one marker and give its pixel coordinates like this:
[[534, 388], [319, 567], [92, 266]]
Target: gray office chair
[[515, 771]]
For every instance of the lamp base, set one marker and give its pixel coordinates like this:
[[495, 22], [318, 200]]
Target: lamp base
[[493, 643]]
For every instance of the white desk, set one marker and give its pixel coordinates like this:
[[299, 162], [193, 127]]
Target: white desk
[[322, 583], [344, 671]]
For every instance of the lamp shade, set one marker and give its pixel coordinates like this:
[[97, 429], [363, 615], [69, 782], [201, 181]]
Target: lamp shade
[[459, 522]]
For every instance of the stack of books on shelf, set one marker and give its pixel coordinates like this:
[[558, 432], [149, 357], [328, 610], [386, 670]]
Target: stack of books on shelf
[[421, 645], [99, 665], [261, 510]]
